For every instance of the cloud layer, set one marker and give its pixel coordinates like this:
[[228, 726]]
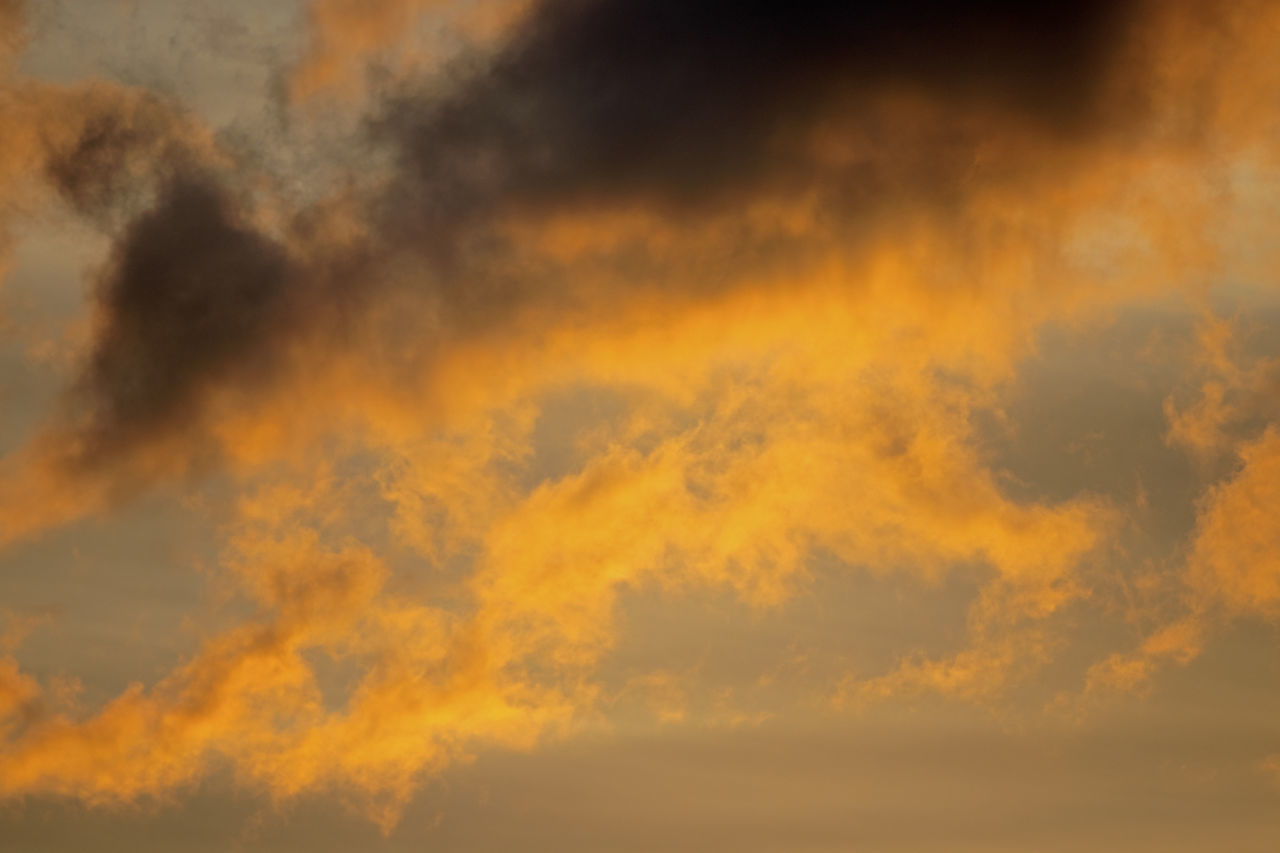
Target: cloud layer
[[796, 254]]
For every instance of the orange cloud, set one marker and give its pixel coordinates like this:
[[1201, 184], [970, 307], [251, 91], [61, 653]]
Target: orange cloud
[[1229, 392], [1235, 557], [1179, 642], [250, 696]]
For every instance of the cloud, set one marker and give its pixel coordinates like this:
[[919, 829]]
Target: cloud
[[1229, 572], [1234, 559], [1233, 390], [190, 293], [799, 250], [735, 498], [425, 692], [12, 32], [345, 38], [344, 33], [18, 694], [937, 115], [102, 151], [1226, 570], [688, 110], [1179, 642]]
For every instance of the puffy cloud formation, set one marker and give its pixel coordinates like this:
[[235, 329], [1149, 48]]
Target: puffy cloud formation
[[772, 264]]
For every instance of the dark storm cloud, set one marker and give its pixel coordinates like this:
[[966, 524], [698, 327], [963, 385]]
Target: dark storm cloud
[[674, 104], [683, 103], [193, 296], [196, 295]]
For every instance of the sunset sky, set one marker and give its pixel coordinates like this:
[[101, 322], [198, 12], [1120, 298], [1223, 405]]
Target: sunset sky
[[639, 425]]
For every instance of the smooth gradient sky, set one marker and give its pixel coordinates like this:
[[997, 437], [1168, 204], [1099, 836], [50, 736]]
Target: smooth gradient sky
[[634, 425]]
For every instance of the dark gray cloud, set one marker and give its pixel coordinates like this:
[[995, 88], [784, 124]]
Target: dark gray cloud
[[678, 105], [196, 295], [684, 103], [193, 296]]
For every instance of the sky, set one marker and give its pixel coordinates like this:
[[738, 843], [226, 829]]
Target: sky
[[633, 425]]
